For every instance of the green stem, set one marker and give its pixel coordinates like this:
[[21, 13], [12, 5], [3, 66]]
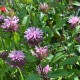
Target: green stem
[[21, 76]]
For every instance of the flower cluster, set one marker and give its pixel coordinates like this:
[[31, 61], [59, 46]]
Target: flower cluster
[[17, 58], [40, 52], [10, 24], [33, 36]]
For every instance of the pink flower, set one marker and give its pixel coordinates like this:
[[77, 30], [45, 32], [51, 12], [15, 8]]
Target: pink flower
[[10, 24], [74, 20], [33, 35], [44, 70], [17, 58], [40, 52]]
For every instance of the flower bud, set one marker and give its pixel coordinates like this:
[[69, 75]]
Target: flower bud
[[44, 70], [3, 55], [44, 7], [3, 9]]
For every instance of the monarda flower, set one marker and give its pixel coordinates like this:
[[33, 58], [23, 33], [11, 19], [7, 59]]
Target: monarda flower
[[10, 24], [1, 19], [44, 70], [44, 7], [3, 55], [17, 58], [40, 52], [33, 35], [73, 21]]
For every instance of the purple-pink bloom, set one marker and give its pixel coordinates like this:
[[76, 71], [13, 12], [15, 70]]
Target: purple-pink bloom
[[74, 20], [11, 24], [40, 52], [33, 35], [17, 58], [44, 70]]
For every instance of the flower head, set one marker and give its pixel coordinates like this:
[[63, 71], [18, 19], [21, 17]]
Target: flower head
[[33, 36], [74, 20], [3, 55], [1, 19], [40, 52], [10, 24], [44, 7], [17, 58], [44, 70]]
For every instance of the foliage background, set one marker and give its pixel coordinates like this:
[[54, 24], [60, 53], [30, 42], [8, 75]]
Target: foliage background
[[64, 50]]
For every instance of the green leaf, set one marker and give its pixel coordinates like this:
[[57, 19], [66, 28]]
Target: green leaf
[[76, 31], [78, 48], [42, 15], [33, 76], [58, 73], [16, 37], [26, 20], [57, 57], [48, 33], [70, 60], [76, 3], [79, 58], [76, 78], [76, 71], [60, 23]]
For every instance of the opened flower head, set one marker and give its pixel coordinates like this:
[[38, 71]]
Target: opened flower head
[[33, 35], [17, 58], [10, 24]]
